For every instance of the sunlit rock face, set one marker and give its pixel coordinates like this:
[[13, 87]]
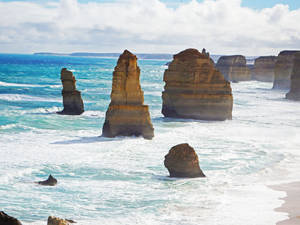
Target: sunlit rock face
[[263, 70], [283, 70], [195, 89], [234, 68], [294, 93], [72, 101], [127, 115]]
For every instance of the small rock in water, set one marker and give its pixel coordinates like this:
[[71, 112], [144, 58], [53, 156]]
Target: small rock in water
[[182, 161], [52, 220], [8, 220], [51, 181]]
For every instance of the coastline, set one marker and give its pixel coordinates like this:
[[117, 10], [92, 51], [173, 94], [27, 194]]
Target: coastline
[[291, 203]]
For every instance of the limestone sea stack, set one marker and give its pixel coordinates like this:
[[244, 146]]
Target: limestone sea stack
[[234, 68], [182, 161], [283, 70], [8, 220], [264, 69], [195, 89], [72, 101], [294, 93], [127, 115]]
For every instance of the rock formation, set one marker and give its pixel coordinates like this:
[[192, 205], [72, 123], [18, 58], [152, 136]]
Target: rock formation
[[57, 221], [127, 115], [294, 93], [8, 220], [234, 68], [51, 181], [283, 70], [72, 101], [182, 161], [195, 89], [264, 69]]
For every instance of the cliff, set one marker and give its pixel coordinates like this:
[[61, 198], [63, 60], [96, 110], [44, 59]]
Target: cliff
[[234, 68], [294, 93], [195, 89], [72, 101], [127, 115], [264, 69], [283, 70]]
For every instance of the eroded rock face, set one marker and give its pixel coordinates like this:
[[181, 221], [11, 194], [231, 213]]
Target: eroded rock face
[[195, 89], [52, 220], [294, 93], [127, 115], [234, 68], [283, 70], [263, 70], [72, 101], [182, 161], [8, 220]]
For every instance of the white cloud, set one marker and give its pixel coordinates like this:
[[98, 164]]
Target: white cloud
[[221, 26]]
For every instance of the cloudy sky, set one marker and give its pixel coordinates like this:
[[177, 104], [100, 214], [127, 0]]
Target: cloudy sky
[[249, 27]]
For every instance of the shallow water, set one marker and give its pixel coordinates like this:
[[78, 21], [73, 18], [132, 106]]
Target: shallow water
[[123, 180]]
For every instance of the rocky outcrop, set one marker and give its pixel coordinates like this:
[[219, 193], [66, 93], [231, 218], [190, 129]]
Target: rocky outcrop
[[234, 68], [51, 181], [127, 115], [264, 69], [294, 93], [182, 161], [52, 220], [195, 89], [283, 70], [72, 101], [8, 220]]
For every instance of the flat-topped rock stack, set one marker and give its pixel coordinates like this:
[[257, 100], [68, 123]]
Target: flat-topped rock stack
[[195, 89], [72, 101], [234, 68], [264, 69], [127, 115], [283, 70], [294, 93]]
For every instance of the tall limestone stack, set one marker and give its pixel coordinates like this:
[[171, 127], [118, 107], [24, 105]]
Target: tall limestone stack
[[264, 69], [195, 89], [234, 68], [294, 93], [283, 70], [127, 115], [72, 101]]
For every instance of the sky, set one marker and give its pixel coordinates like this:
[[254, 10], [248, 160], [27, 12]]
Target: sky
[[248, 27]]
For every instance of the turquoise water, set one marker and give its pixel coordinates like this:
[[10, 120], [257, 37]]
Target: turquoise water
[[123, 180]]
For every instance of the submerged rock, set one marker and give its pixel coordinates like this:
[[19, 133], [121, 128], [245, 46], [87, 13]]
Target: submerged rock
[[52, 220], [182, 161], [127, 115], [294, 93], [51, 181], [234, 68], [195, 89], [72, 101], [283, 70], [263, 70], [8, 220]]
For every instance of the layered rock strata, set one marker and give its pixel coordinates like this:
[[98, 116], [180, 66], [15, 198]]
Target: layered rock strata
[[182, 161], [195, 89], [294, 93], [8, 220], [127, 115], [283, 70], [234, 68], [72, 101], [264, 69]]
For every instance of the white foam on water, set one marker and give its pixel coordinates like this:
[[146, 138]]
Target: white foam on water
[[26, 98], [7, 84]]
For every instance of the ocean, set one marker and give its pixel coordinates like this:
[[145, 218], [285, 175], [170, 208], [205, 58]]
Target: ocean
[[123, 180]]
